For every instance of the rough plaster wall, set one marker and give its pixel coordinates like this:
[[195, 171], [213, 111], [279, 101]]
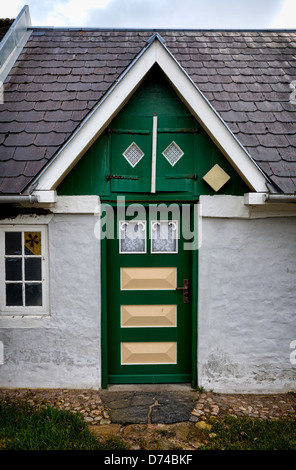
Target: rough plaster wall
[[247, 305], [63, 350]]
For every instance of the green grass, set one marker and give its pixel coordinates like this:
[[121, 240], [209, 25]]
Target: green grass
[[24, 428], [230, 433]]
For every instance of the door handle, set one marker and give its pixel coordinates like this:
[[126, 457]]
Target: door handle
[[185, 290]]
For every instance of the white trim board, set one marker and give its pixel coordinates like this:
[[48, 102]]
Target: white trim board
[[94, 124], [237, 207], [61, 205]]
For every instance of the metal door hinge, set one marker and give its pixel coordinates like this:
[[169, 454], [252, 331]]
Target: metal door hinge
[[179, 177], [121, 177]]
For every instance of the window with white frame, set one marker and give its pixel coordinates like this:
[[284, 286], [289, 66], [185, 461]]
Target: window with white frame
[[23, 269]]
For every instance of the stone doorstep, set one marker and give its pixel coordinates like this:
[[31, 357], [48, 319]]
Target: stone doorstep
[[149, 407]]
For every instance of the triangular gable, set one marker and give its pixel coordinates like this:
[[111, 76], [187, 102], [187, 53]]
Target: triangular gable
[[155, 52]]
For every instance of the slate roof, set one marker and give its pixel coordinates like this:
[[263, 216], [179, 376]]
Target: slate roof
[[62, 74]]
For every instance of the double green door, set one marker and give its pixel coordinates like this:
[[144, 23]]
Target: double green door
[[154, 155], [149, 299]]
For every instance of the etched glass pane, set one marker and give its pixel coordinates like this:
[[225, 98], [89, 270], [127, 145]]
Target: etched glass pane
[[132, 237], [173, 153], [133, 154], [164, 236]]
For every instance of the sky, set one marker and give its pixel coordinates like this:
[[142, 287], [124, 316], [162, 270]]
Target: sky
[[182, 14]]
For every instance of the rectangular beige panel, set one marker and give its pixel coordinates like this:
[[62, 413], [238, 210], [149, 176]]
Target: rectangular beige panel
[[148, 278], [148, 316], [149, 353]]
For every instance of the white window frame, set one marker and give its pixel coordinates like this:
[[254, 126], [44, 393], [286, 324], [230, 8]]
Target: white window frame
[[24, 310]]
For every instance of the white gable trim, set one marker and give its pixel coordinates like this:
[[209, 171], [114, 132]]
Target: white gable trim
[[154, 53]]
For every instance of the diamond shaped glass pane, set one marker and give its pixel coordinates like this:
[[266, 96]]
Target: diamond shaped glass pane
[[173, 153], [133, 154]]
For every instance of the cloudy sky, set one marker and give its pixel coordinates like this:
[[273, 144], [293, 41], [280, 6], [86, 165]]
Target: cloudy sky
[[157, 13]]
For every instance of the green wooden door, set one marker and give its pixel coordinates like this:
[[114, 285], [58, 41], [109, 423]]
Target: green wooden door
[[149, 317], [131, 148], [130, 156]]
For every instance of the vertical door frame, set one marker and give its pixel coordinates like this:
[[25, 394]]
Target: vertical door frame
[[104, 313]]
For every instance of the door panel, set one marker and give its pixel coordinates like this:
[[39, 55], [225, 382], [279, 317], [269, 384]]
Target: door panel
[[149, 353], [149, 325], [148, 316], [131, 157], [148, 278], [175, 154], [175, 162]]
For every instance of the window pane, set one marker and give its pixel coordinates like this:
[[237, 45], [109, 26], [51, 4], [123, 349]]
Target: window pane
[[164, 237], [32, 243], [33, 269], [173, 153], [133, 154], [13, 269], [14, 295], [33, 294], [13, 243], [132, 237]]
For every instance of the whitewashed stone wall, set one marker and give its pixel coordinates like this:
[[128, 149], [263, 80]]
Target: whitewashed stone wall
[[63, 349], [247, 305]]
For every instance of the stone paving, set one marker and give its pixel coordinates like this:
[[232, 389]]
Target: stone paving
[[147, 407]]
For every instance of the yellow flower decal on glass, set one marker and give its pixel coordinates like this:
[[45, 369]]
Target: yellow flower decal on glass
[[33, 243]]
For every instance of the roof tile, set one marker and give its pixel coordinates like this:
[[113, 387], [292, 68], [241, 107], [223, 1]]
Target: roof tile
[[283, 168], [264, 154], [9, 169], [33, 153], [7, 153], [33, 167], [271, 140], [50, 139], [32, 116], [58, 115], [14, 185], [285, 183], [22, 139]]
